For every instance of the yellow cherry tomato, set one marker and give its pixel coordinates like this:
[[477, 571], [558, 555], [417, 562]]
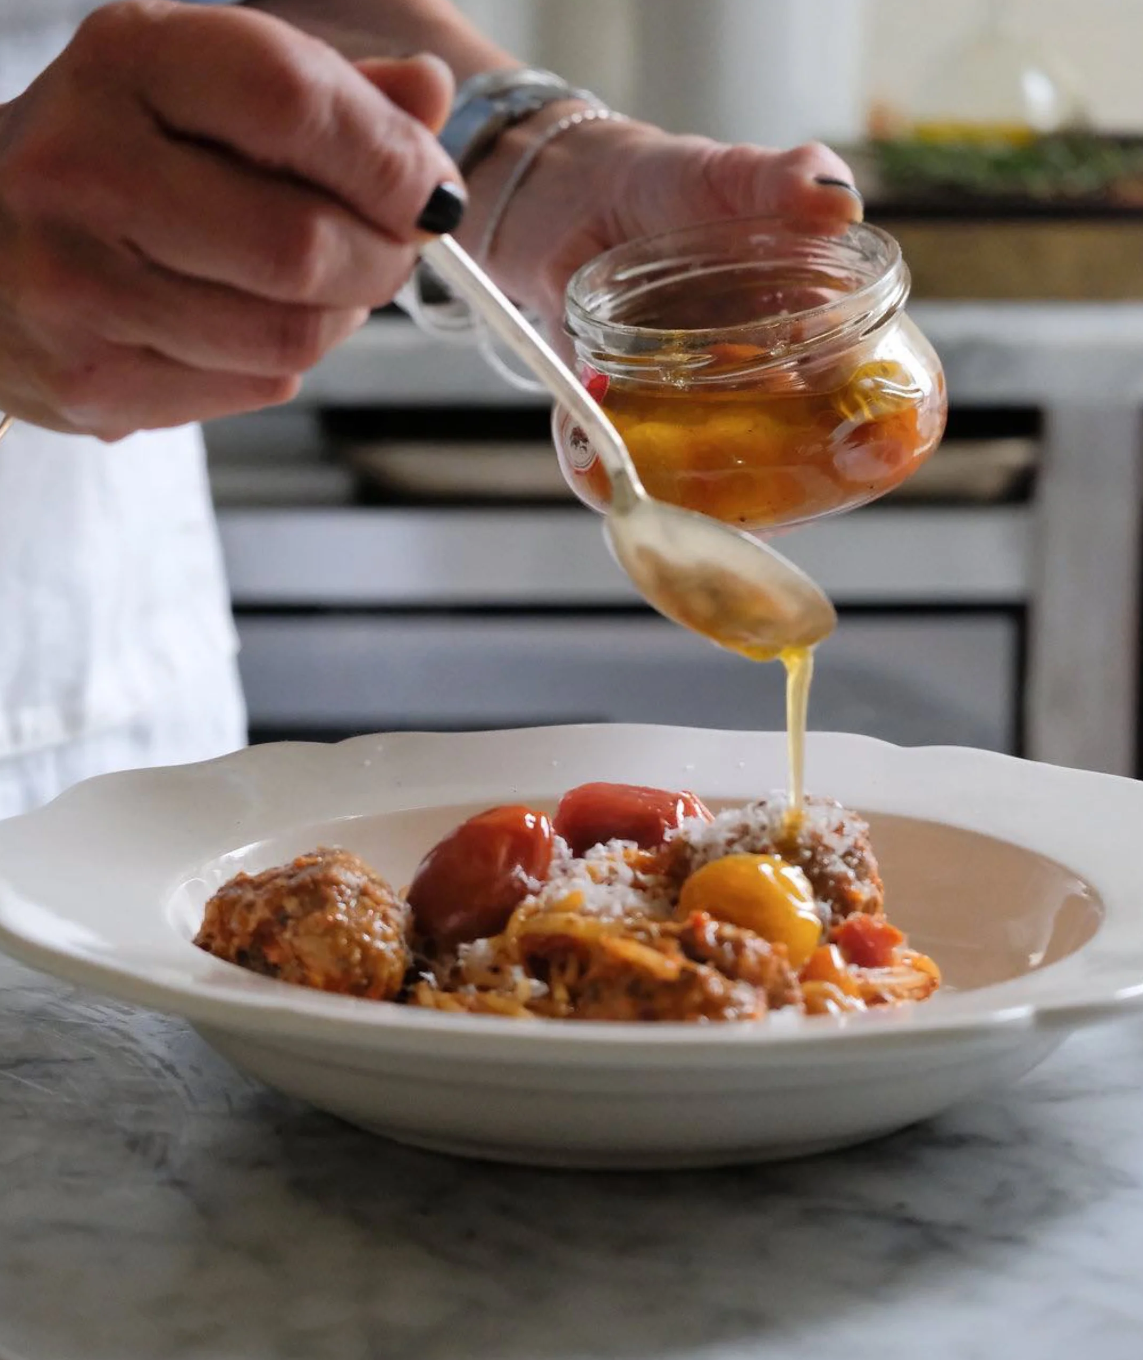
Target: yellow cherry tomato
[[878, 389], [761, 893]]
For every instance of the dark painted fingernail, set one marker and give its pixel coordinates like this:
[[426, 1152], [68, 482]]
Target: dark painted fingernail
[[829, 183], [444, 210]]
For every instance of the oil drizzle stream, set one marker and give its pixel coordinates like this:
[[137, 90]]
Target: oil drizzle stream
[[799, 664]]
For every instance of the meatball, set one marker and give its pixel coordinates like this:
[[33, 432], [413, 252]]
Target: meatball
[[830, 844], [327, 921]]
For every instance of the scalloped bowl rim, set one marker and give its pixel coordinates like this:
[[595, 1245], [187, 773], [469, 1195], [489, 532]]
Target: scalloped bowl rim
[[1082, 820]]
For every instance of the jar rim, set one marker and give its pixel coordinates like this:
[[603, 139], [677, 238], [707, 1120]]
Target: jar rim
[[870, 249]]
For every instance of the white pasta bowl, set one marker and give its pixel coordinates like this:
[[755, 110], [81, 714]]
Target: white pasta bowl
[[1020, 880]]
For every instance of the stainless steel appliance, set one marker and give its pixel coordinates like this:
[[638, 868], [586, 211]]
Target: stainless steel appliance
[[361, 609]]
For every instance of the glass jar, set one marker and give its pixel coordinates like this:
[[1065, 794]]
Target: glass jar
[[758, 374]]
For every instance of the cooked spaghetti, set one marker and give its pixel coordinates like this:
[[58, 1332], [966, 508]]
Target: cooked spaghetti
[[678, 915]]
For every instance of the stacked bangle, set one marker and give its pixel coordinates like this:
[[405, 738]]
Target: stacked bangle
[[507, 98], [523, 167]]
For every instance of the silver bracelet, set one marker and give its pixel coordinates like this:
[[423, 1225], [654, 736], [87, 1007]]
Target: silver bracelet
[[487, 105], [450, 319], [595, 114]]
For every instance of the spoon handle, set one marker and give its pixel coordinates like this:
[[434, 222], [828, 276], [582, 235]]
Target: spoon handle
[[465, 277]]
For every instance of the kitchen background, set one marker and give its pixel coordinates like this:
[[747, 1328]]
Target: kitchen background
[[401, 547]]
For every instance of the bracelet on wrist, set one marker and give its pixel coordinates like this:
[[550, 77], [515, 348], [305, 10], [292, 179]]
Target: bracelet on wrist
[[448, 318], [487, 105], [523, 168]]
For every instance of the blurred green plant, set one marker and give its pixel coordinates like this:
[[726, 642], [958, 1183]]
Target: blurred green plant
[[1061, 167]]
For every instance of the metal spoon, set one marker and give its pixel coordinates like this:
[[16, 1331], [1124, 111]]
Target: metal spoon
[[733, 589]]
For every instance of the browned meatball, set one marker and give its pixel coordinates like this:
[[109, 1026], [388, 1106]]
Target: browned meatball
[[327, 921], [830, 845]]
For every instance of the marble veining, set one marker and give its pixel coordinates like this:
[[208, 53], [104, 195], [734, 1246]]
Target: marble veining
[[155, 1205]]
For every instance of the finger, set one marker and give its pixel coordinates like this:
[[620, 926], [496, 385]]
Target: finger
[[822, 184], [690, 179], [289, 103], [212, 218], [29, 412], [22, 361], [422, 86], [220, 329], [74, 287], [127, 390], [808, 181]]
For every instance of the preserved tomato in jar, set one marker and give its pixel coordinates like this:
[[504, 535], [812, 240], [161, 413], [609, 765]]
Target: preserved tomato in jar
[[758, 374]]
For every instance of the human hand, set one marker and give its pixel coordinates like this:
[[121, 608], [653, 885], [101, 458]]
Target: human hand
[[195, 206], [607, 182]]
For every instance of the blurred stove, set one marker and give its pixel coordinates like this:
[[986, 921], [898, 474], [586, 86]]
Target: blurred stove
[[403, 554]]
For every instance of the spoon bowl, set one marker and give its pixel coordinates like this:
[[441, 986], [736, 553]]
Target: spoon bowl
[[717, 581]]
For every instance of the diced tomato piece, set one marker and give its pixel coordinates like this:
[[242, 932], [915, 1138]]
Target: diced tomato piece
[[868, 941], [826, 965], [596, 813], [469, 884]]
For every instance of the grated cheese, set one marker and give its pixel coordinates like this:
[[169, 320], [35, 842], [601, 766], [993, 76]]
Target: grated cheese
[[610, 883]]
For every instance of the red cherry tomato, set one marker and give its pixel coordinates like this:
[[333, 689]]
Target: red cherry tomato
[[867, 941], [468, 886], [595, 813]]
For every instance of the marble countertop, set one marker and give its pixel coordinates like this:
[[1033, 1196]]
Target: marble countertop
[[155, 1205]]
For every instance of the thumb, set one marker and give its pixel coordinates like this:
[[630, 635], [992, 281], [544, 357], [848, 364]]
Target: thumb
[[809, 182], [680, 181], [422, 86]]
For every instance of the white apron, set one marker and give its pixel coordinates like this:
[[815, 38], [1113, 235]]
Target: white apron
[[117, 647]]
